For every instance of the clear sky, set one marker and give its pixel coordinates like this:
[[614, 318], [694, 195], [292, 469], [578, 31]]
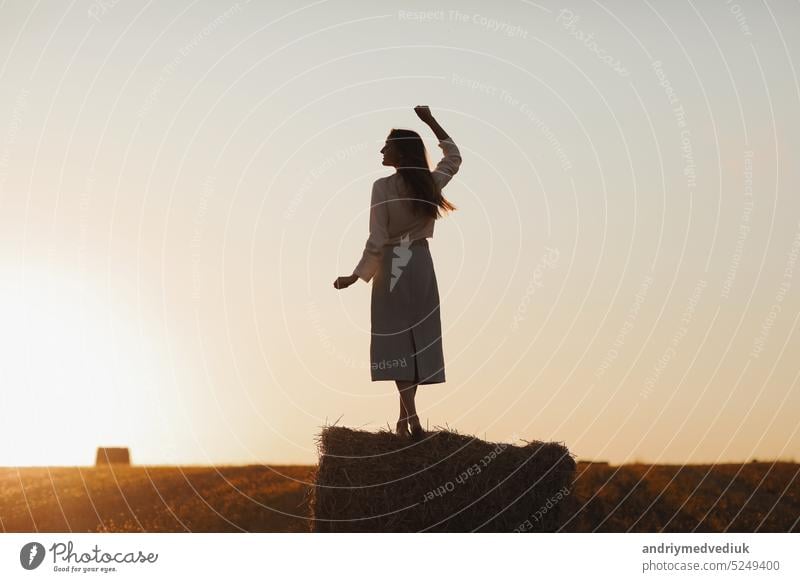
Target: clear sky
[[181, 182]]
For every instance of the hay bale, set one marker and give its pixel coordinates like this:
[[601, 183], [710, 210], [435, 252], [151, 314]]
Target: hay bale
[[589, 463], [115, 455], [379, 482]]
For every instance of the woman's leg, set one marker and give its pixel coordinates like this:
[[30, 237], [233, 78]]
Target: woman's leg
[[403, 413], [402, 423], [413, 420], [408, 393], [408, 390]]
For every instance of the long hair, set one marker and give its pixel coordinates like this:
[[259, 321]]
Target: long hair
[[426, 196]]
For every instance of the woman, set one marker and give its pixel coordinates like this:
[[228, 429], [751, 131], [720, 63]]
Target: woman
[[406, 339]]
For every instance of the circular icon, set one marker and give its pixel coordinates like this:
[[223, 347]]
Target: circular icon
[[31, 555]]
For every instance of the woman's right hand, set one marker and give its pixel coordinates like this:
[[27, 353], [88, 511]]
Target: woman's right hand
[[345, 281], [424, 113]]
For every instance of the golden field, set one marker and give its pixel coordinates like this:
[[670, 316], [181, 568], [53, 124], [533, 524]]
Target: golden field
[[757, 496]]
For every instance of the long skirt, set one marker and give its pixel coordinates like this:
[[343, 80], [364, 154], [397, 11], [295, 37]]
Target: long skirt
[[406, 340]]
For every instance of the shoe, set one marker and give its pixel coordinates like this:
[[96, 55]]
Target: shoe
[[417, 432], [402, 429]]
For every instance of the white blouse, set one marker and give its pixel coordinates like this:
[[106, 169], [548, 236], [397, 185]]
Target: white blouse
[[391, 217]]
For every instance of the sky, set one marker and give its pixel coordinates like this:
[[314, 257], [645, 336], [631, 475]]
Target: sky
[[181, 182]]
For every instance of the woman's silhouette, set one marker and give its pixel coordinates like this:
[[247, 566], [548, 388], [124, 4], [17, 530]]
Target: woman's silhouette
[[406, 338]]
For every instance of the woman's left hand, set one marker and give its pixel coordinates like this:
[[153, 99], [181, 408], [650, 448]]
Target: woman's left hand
[[345, 281]]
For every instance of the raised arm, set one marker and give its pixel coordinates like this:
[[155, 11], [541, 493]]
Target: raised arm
[[451, 161], [424, 113]]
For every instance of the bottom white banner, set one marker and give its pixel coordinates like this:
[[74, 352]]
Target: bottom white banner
[[419, 557]]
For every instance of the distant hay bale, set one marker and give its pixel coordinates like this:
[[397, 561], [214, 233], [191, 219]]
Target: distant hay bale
[[379, 482], [590, 463], [112, 455]]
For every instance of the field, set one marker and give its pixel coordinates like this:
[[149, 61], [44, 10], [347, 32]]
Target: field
[[763, 497], [155, 499]]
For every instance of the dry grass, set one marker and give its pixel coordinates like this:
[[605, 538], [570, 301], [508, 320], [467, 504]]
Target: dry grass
[[155, 499], [732, 497], [763, 497]]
